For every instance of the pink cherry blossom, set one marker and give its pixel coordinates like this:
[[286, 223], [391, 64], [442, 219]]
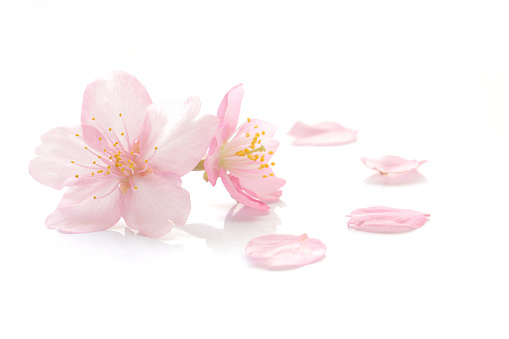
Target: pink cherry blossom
[[125, 160], [285, 250], [380, 219], [241, 156], [322, 134], [390, 164]]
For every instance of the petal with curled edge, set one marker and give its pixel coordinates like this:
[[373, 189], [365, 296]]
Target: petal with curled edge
[[381, 219], [156, 202], [322, 134], [231, 183], [229, 111], [390, 164], [285, 250]]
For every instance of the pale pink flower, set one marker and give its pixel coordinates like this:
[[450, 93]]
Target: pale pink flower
[[382, 219], [390, 164], [285, 250], [242, 156], [125, 160], [322, 134]]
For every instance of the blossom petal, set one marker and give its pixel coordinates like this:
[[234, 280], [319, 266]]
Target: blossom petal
[[266, 188], [322, 134], [106, 98], [285, 251], [229, 111], [211, 163], [62, 156], [157, 200], [381, 219], [390, 164], [80, 212], [181, 143], [231, 183]]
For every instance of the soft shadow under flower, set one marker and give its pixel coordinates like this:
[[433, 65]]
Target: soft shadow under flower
[[128, 247], [240, 226]]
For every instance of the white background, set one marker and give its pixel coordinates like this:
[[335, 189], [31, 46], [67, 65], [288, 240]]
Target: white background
[[419, 79]]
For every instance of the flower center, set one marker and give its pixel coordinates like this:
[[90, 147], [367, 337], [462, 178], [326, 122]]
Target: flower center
[[245, 152], [116, 160]]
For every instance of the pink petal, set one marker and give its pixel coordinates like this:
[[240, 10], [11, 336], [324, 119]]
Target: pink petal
[[106, 98], [382, 219], [59, 147], [211, 162], [267, 189], [157, 200], [391, 164], [285, 251], [79, 212], [231, 183], [229, 110], [322, 134], [182, 142]]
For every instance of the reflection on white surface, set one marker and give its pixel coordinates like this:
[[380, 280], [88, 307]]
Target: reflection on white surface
[[240, 226], [127, 247]]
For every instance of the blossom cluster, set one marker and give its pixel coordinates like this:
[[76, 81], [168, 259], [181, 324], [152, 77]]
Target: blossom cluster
[[127, 157]]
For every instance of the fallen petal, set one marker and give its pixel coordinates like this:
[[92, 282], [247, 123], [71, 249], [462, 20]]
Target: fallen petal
[[322, 134], [390, 164], [381, 219], [285, 250]]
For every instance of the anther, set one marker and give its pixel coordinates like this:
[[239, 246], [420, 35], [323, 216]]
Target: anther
[[271, 152], [272, 163], [248, 120], [135, 187], [265, 176], [256, 126], [120, 114], [72, 162], [76, 175], [77, 135], [93, 118], [247, 135], [263, 132]]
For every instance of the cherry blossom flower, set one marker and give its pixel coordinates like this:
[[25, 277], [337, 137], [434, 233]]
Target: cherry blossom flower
[[125, 160], [285, 250], [241, 156], [321, 134], [390, 164], [380, 219]]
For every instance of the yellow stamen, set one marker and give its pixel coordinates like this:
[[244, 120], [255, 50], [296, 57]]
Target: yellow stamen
[[72, 162], [272, 163], [264, 176], [271, 152], [248, 120], [247, 135], [135, 187], [77, 135], [120, 114], [256, 126], [76, 175], [263, 132], [272, 174]]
